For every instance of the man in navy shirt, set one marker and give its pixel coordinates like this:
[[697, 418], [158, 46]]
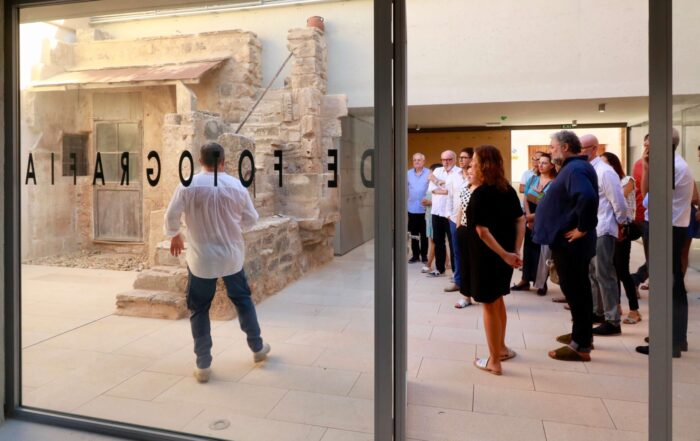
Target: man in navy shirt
[[566, 221], [417, 179]]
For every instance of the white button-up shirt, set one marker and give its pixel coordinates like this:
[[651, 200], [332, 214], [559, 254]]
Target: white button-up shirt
[[612, 207], [216, 218], [442, 203], [682, 193]]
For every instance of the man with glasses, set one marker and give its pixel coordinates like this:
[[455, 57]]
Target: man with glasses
[[418, 182], [441, 211], [455, 183], [612, 213], [530, 172], [566, 221]]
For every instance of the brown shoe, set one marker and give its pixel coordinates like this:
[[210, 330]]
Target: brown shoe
[[567, 353], [566, 339], [559, 299]]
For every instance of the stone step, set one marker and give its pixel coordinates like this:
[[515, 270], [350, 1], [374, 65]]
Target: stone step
[[163, 257], [165, 278], [154, 304]]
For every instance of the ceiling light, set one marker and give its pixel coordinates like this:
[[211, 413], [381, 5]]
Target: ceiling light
[[601, 107]]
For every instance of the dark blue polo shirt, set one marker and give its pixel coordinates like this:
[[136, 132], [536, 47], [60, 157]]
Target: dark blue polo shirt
[[571, 202]]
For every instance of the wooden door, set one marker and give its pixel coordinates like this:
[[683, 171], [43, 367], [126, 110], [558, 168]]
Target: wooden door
[[118, 209]]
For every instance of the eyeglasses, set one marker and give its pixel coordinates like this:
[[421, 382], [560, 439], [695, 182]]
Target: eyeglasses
[[464, 157], [588, 147], [447, 159]]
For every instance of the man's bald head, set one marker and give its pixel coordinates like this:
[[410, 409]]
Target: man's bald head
[[589, 146]]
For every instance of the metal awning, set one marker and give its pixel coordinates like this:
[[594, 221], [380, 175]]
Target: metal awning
[[188, 73]]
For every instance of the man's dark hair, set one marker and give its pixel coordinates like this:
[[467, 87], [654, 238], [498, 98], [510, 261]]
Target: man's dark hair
[[211, 154], [569, 138], [468, 150]]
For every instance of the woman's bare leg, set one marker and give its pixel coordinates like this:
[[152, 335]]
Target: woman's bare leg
[[494, 329]]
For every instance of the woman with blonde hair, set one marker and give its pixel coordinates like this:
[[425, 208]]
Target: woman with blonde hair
[[495, 232]]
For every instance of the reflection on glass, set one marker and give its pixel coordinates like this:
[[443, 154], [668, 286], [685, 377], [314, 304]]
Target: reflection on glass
[[686, 314], [106, 329]]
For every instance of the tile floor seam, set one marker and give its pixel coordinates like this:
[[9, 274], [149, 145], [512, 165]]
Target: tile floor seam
[[192, 419], [354, 384], [66, 332], [267, 415], [167, 389], [420, 365], [609, 413], [544, 431]]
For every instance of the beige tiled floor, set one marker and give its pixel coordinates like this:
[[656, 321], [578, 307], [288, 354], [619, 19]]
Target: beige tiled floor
[[318, 383]]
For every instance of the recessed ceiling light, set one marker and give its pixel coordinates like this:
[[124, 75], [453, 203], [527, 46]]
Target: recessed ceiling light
[[601, 107]]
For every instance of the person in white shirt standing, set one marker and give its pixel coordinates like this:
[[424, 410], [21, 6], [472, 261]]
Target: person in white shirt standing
[[612, 213], [442, 210], [217, 210], [683, 185]]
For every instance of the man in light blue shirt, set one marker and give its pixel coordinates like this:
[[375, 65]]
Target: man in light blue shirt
[[417, 178]]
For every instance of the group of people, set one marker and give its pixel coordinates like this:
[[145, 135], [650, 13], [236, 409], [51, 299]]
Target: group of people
[[579, 213]]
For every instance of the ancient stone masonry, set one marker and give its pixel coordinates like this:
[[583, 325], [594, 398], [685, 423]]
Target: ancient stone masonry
[[298, 219], [181, 92]]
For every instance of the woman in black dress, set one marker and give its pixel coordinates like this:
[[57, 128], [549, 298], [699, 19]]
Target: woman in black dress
[[495, 232]]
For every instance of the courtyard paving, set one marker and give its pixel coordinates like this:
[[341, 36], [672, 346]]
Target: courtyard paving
[[317, 384]]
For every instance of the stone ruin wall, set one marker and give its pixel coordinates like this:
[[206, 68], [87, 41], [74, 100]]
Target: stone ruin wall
[[230, 89], [298, 220]]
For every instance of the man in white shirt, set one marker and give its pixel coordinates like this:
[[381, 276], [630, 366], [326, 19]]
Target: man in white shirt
[[217, 210], [612, 212], [683, 184], [441, 211]]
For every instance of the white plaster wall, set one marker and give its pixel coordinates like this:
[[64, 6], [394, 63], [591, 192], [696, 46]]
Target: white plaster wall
[[467, 51], [520, 139]]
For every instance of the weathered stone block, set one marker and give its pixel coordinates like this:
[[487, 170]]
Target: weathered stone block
[[153, 304]]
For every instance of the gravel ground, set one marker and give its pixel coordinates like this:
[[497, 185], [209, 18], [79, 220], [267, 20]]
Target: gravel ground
[[94, 259]]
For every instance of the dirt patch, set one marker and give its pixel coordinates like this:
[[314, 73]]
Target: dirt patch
[[95, 260]]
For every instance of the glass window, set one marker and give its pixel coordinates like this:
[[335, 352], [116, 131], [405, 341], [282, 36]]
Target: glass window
[[258, 330]]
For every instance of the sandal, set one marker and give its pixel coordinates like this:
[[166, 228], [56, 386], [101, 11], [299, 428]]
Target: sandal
[[632, 319], [567, 353], [510, 354], [482, 364], [463, 303], [644, 286]]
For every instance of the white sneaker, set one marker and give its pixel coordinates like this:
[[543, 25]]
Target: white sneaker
[[202, 375], [262, 353], [425, 269]]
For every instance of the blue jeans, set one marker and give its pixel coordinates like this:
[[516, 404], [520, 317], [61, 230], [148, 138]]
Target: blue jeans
[[454, 247], [200, 293]]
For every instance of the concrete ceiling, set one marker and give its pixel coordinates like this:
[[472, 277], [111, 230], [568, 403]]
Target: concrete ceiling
[[631, 111]]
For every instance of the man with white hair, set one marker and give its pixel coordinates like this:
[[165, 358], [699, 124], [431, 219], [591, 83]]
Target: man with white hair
[[417, 179], [612, 213], [441, 211]]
